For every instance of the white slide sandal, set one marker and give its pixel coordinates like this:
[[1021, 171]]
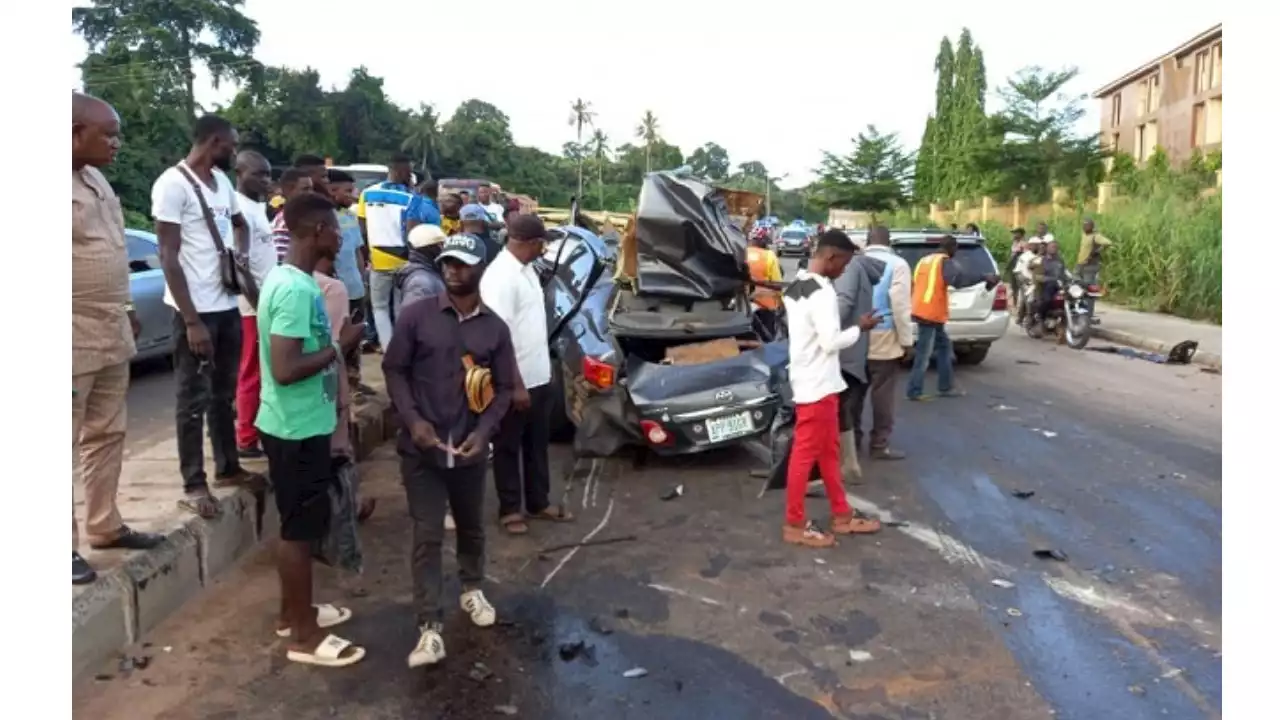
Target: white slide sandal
[[328, 653], [327, 616]]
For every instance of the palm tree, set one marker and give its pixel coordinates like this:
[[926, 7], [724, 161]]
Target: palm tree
[[600, 148], [647, 131], [424, 137], [583, 116]]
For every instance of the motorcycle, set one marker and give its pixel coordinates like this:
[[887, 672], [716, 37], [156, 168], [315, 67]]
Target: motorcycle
[[1070, 314]]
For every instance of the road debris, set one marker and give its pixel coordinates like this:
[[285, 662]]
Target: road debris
[[1002, 583], [586, 543], [1138, 690], [622, 613], [859, 656], [633, 673], [1051, 554], [1020, 361], [572, 649], [1172, 673], [506, 709], [1002, 407], [673, 492], [480, 672], [1049, 433], [599, 626], [1013, 612], [897, 523], [1023, 494]]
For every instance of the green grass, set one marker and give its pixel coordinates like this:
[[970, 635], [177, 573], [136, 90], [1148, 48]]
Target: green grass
[[1166, 254]]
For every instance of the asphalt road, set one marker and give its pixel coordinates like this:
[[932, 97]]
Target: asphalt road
[[1123, 458]]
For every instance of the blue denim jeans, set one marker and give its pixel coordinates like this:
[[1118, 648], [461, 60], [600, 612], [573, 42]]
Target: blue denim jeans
[[931, 340]]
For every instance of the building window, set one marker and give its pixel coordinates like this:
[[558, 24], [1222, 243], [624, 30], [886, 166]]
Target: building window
[[1203, 77], [1145, 139], [1112, 147], [1213, 122], [1198, 125], [1215, 75], [1149, 99], [1115, 109], [1139, 142]]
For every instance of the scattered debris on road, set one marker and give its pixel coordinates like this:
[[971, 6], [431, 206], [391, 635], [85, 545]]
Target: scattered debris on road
[[506, 709], [1002, 407], [897, 524], [587, 543], [572, 649], [634, 673], [1013, 612], [622, 613], [1020, 361], [480, 672], [673, 492], [1023, 494], [1002, 583], [859, 656], [1138, 690], [1172, 673], [1051, 554], [599, 626]]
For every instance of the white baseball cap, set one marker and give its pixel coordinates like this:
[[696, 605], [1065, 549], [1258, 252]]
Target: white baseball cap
[[424, 236]]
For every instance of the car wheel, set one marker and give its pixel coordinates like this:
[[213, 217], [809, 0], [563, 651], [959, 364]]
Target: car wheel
[[972, 355], [561, 427]]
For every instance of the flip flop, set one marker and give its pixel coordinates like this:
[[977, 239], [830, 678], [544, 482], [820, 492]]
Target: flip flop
[[553, 513], [328, 653], [205, 506], [327, 616], [514, 524]]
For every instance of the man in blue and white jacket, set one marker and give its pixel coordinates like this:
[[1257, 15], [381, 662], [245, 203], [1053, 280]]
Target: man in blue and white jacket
[[888, 341]]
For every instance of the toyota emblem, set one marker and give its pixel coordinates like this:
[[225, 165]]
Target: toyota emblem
[[724, 395]]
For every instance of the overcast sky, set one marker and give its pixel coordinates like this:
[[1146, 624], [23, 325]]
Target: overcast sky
[[775, 88]]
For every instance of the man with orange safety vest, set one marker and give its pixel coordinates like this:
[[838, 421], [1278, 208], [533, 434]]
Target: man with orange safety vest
[[930, 310], [766, 274]]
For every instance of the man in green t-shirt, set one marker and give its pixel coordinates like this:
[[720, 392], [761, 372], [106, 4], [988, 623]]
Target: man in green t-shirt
[[298, 413]]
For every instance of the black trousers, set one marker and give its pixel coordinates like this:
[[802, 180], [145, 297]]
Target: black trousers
[[432, 491], [207, 388], [1047, 293], [521, 470]]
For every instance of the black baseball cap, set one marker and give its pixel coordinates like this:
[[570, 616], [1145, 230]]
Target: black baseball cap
[[463, 247]]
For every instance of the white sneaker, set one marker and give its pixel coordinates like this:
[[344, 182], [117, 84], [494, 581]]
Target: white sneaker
[[430, 648], [481, 612], [448, 522]]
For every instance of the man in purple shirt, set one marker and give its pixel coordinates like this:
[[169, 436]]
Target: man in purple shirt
[[444, 437]]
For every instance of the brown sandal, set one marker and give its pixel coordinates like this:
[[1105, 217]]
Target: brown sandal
[[855, 523], [514, 524], [808, 536], [553, 513]]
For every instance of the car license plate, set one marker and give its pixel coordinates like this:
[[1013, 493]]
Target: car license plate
[[729, 427]]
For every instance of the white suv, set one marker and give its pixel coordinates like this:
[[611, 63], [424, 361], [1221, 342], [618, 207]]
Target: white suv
[[979, 316]]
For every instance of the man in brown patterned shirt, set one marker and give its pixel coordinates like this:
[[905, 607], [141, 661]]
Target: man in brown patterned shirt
[[103, 328]]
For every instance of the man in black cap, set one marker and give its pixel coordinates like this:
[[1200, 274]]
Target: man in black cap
[[521, 471], [451, 374]]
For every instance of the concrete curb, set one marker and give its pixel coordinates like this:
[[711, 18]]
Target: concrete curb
[[128, 601], [1202, 357]]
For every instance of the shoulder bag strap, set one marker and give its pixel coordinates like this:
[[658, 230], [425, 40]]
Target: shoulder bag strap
[[204, 207]]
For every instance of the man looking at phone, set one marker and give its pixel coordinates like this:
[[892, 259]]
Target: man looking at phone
[[445, 431], [854, 293], [889, 341]]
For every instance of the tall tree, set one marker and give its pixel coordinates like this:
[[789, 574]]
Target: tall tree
[[933, 146], [600, 151], [423, 138], [966, 121], [215, 33], [710, 161], [873, 177], [647, 131], [370, 126], [582, 117], [285, 113], [1040, 147], [477, 142]]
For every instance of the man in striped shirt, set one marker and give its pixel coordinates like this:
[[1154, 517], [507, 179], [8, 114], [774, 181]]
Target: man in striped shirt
[[384, 211], [293, 182]]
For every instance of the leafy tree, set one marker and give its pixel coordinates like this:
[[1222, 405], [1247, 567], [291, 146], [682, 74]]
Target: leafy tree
[[181, 33], [285, 113], [423, 139], [874, 176], [369, 125], [710, 161], [647, 131], [753, 168], [933, 146], [477, 142]]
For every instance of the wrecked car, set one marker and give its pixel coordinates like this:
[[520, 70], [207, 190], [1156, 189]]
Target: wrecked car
[[652, 340]]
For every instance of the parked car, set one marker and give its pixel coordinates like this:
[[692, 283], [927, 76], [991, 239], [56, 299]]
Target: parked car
[[793, 241], [615, 385], [146, 287], [979, 317]]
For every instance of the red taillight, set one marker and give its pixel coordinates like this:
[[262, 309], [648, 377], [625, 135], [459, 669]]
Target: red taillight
[[597, 372], [654, 432], [1095, 289], [1002, 298]]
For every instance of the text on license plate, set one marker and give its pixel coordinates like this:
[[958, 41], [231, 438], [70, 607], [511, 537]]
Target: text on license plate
[[730, 426]]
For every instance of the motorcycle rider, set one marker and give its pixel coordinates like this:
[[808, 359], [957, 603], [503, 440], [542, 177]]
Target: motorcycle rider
[[1053, 272], [1027, 273]]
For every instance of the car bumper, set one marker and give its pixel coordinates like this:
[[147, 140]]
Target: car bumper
[[689, 431]]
